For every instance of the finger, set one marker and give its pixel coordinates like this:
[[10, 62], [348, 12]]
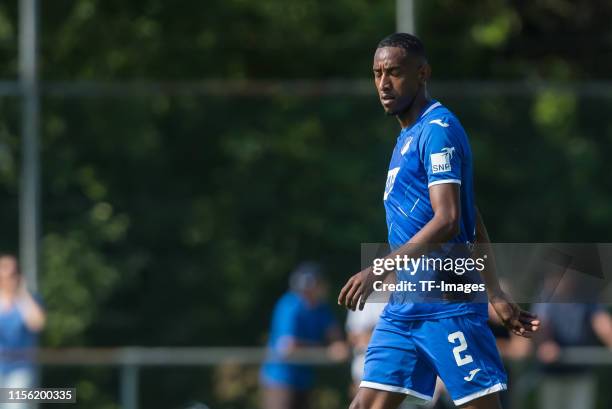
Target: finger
[[535, 323], [356, 298], [343, 292], [526, 322], [519, 330], [530, 327], [350, 296], [359, 294], [526, 329], [529, 324], [362, 301], [523, 334], [516, 327]]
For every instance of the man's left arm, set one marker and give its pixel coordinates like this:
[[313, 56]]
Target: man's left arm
[[517, 320]]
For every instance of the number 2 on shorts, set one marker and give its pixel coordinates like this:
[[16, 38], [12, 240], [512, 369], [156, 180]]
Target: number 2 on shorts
[[460, 348]]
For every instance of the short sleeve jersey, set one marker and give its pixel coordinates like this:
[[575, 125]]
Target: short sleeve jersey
[[293, 318], [434, 150]]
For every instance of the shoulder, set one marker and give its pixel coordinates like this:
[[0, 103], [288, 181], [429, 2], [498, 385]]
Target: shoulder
[[440, 120], [440, 125], [288, 302]]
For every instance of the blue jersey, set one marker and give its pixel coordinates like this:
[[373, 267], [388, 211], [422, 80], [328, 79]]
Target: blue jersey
[[14, 336], [294, 319], [434, 150]]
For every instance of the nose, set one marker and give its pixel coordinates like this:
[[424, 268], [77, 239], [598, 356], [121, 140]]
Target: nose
[[385, 82]]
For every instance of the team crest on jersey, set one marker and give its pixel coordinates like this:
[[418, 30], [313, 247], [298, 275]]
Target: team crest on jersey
[[441, 162], [390, 181]]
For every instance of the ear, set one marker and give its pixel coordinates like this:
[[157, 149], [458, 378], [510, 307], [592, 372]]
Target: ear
[[424, 73]]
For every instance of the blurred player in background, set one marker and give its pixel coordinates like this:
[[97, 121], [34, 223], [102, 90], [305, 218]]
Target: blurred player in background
[[359, 327], [429, 201], [21, 320], [301, 319], [566, 323]]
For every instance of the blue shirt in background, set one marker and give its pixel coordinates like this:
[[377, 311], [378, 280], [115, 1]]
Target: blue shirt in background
[[294, 318], [14, 335]]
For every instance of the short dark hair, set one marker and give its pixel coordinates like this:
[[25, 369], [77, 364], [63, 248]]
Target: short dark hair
[[305, 276], [408, 42]]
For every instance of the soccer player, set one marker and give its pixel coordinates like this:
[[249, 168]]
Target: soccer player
[[429, 203], [22, 318], [301, 319]]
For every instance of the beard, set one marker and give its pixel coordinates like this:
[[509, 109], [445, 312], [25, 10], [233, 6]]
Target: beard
[[406, 107], [399, 110]]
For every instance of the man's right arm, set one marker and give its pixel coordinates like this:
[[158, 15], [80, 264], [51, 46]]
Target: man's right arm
[[443, 226]]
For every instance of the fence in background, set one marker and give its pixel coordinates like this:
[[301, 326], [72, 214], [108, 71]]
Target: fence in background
[[130, 360]]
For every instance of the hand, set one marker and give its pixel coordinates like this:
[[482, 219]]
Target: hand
[[338, 351], [357, 290], [548, 352], [517, 320]]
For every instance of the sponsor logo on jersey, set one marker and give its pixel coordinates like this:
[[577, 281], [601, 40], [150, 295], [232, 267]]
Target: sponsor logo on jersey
[[441, 162]]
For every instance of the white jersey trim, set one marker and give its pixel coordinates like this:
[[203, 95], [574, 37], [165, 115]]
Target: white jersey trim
[[495, 388], [437, 104], [392, 388], [439, 182]]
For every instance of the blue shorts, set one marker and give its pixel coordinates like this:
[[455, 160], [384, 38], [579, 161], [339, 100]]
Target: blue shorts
[[406, 357]]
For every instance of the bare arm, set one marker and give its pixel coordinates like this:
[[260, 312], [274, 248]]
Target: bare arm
[[517, 320], [489, 274], [443, 226]]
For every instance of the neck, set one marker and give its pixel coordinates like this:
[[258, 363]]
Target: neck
[[411, 115]]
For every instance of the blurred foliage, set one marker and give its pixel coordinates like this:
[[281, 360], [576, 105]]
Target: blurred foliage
[[176, 220]]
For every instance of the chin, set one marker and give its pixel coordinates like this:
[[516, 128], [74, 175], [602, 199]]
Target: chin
[[390, 111], [393, 110]]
